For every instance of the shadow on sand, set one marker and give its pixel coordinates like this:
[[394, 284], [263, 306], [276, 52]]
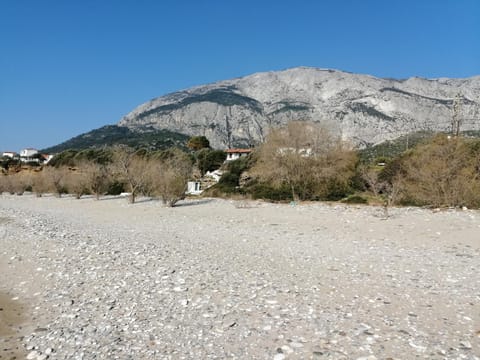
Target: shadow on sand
[[193, 202]]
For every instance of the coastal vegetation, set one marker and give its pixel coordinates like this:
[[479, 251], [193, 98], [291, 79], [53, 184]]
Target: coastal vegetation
[[302, 161]]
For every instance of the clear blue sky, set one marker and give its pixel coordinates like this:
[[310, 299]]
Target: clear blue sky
[[67, 67]]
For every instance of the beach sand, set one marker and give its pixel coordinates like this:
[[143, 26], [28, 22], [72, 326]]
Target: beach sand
[[12, 318], [214, 278]]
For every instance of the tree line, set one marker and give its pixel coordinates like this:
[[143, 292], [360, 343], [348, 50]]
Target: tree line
[[161, 174], [302, 161], [308, 162]]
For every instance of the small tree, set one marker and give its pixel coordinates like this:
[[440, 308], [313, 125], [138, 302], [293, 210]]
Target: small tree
[[96, 177], [39, 183], [371, 176], [209, 160], [391, 193], [76, 182], [7, 184], [169, 176], [131, 168], [55, 179], [198, 142], [308, 158], [18, 183], [444, 172]]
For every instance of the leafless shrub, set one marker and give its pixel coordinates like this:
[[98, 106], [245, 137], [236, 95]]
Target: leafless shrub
[[39, 183], [131, 168], [96, 177], [307, 157], [442, 173], [169, 176], [76, 182], [55, 179], [371, 176]]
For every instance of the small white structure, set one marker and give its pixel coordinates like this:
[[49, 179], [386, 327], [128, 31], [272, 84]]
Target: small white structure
[[194, 188], [216, 174], [47, 158], [303, 152], [28, 152], [29, 155], [10, 154], [234, 154]]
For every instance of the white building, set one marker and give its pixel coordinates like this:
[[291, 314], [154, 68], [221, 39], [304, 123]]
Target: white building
[[234, 154], [194, 188], [10, 154], [29, 155], [28, 152]]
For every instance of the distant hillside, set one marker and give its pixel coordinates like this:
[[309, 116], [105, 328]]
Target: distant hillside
[[109, 135]]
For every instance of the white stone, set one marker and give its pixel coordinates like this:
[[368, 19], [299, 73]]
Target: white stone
[[32, 355]]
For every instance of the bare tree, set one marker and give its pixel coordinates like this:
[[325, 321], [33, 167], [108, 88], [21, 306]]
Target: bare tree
[[6, 184], [391, 194], [370, 176], [39, 183], [55, 179], [96, 177], [18, 182], [306, 157], [15, 183], [76, 182], [443, 173], [130, 167], [169, 176]]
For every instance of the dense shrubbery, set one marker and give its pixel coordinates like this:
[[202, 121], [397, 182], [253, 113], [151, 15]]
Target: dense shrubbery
[[269, 192]]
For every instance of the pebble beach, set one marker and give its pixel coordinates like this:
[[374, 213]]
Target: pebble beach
[[224, 279]]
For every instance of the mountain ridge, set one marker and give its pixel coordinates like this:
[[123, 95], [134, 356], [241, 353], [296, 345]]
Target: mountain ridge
[[365, 109]]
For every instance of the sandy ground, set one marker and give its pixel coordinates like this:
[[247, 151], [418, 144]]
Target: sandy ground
[[222, 279]]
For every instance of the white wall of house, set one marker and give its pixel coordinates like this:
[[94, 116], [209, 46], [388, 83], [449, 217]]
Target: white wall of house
[[10, 154], [233, 156], [28, 152], [194, 188]]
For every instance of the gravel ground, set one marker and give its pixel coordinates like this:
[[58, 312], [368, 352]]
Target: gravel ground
[[216, 279]]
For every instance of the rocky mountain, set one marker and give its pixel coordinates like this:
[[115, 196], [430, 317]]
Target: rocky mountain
[[365, 109]]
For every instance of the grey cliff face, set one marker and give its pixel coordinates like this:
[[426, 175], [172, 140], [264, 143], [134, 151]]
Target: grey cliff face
[[364, 109]]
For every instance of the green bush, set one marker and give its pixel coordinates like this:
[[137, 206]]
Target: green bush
[[268, 192], [355, 199], [210, 160], [115, 188]]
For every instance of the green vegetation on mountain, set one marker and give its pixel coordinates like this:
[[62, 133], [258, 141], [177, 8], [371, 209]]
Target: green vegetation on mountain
[[223, 97], [365, 109], [393, 148], [109, 135]]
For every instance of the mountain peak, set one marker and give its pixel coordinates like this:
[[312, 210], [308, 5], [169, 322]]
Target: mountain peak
[[364, 108]]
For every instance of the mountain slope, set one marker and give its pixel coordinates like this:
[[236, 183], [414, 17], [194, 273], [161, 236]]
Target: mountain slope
[[113, 135], [363, 108]]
